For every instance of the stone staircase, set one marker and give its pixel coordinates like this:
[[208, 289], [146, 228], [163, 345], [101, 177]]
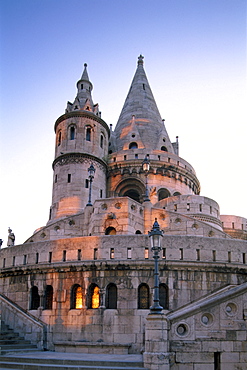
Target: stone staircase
[[12, 342], [70, 361]]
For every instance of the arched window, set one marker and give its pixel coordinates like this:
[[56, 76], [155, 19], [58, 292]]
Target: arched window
[[163, 293], [164, 149], [176, 193], [72, 133], [101, 141], [138, 232], [76, 297], [35, 298], [48, 297], [88, 134], [93, 296], [163, 193], [111, 296], [143, 296], [59, 138], [110, 231], [133, 145]]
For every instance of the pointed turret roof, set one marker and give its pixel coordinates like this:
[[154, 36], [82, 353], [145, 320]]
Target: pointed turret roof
[[140, 103]]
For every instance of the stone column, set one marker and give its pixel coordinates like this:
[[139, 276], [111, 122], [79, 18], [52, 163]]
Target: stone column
[[157, 355]]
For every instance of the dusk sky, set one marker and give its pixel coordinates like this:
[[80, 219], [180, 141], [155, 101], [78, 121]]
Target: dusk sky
[[195, 60]]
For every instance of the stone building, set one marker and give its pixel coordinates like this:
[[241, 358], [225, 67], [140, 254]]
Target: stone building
[[84, 282]]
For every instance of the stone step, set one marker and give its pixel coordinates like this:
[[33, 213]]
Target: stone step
[[70, 361]]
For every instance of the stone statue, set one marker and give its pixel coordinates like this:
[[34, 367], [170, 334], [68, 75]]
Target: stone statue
[[11, 238]]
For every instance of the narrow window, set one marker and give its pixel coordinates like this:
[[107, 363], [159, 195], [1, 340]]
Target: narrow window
[[217, 361], [177, 163], [143, 86], [93, 296], [229, 257], [50, 213], [143, 296], [164, 253], [111, 296], [136, 156], [76, 297], [112, 253], [163, 295], [64, 256], [188, 206], [129, 253], [146, 253], [95, 253], [13, 261], [101, 193], [198, 254], [4, 262], [69, 177], [169, 160], [200, 207], [88, 134], [24, 259], [34, 298], [48, 299], [59, 138], [244, 258], [50, 257], [87, 183], [114, 159], [101, 141], [55, 178], [210, 209], [181, 253], [125, 157], [81, 86], [214, 255], [233, 226], [159, 157], [175, 207], [37, 258], [72, 133], [242, 226], [79, 254]]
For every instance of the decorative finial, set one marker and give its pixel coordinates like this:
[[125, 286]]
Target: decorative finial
[[140, 59], [85, 65]]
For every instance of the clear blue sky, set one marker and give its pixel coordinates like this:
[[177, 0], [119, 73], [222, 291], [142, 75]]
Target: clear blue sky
[[195, 60]]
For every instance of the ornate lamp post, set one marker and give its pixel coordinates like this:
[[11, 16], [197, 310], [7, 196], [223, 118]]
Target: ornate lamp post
[[91, 171], [146, 167], [155, 236]]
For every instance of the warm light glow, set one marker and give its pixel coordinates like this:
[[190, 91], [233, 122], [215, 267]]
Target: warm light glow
[[95, 298], [78, 298]]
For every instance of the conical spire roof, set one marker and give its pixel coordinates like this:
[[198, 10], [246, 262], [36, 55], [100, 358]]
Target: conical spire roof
[[140, 103]]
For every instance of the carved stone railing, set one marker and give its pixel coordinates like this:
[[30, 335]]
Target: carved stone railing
[[23, 323]]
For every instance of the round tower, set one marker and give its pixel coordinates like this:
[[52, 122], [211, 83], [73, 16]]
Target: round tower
[[81, 140]]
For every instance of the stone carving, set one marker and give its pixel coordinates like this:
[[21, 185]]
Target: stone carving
[[11, 238]]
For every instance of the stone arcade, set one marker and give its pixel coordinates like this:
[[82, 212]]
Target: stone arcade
[[84, 282]]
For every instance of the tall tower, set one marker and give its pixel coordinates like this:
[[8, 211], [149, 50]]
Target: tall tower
[[81, 140]]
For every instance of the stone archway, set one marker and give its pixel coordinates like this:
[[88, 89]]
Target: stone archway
[[132, 188]]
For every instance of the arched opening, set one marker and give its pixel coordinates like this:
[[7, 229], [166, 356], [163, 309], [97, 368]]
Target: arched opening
[[93, 296], [34, 298], [76, 297], [88, 134], [72, 133], [111, 296], [133, 145], [48, 299], [110, 231], [163, 294], [176, 193], [164, 149], [163, 193], [131, 188], [143, 296], [138, 232]]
